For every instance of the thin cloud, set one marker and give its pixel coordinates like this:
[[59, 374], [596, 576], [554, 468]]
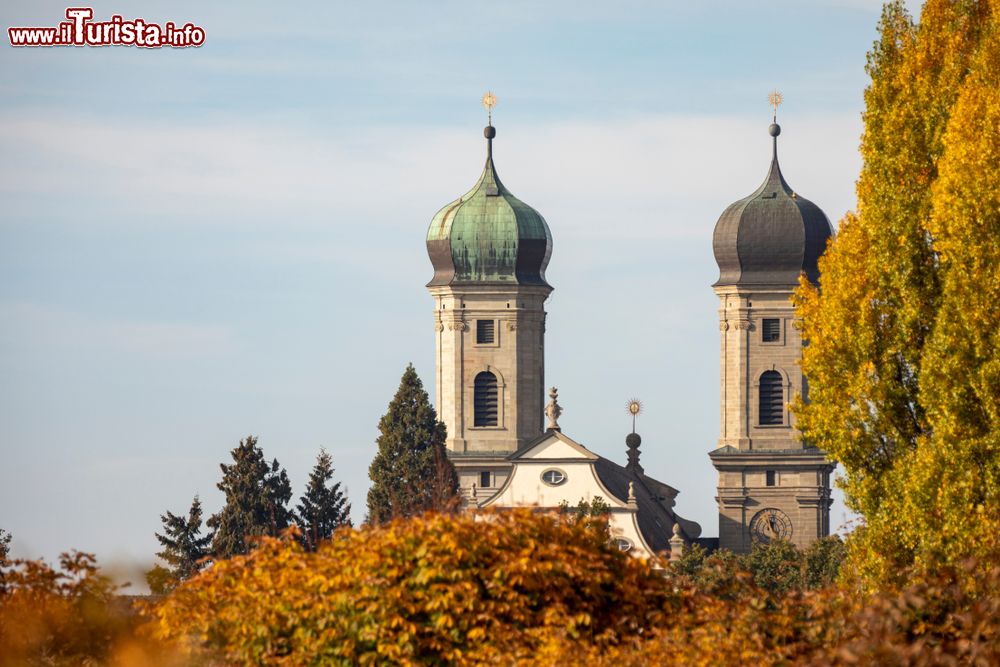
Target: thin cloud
[[659, 171]]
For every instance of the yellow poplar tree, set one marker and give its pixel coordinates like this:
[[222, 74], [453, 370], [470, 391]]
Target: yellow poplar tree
[[898, 394]]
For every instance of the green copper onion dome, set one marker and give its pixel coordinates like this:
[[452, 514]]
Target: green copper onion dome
[[771, 236], [488, 235]]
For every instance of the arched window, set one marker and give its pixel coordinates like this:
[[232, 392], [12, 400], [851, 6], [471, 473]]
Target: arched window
[[485, 399], [772, 403]]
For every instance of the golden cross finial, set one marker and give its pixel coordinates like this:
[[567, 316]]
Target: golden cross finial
[[634, 408], [489, 101], [774, 97]]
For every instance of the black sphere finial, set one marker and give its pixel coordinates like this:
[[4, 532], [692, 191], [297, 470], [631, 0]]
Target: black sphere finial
[[633, 441], [489, 132], [774, 130]]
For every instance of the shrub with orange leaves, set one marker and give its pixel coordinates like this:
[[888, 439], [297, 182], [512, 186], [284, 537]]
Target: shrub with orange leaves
[[437, 589], [525, 588], [513, 588], [949, 616], [70, 616]]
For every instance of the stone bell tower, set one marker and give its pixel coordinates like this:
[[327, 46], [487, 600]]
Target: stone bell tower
[[489, 252], [771, 485]]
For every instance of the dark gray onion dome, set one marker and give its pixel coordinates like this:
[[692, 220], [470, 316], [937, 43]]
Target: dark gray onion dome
[[771, 236]]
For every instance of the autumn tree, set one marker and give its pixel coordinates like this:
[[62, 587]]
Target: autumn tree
[[257, 495], [411, 472], [903, 354], [441, 589], [184, 548], [4, 544], [324, 507]]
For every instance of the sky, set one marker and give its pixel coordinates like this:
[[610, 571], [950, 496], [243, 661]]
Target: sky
[[201, 244]]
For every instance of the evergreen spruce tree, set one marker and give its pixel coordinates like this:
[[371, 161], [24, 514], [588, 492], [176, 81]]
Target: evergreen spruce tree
[[184, 546], [257, 495], [410, 473], [4, 544], [324, 507]]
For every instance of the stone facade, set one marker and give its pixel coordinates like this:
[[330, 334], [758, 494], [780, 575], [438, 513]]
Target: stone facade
[[771, 484], [764, 467], [745, 356], [516, 356]]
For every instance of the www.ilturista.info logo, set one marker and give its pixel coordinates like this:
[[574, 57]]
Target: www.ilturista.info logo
[[79, 30]]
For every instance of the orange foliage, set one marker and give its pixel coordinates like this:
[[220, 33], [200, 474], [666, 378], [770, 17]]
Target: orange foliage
[[523, 588], [949, 618], [514, 588], [68, 617], [441, 588]]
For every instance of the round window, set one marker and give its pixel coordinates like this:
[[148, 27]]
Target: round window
[[553, 477], [623, 544]]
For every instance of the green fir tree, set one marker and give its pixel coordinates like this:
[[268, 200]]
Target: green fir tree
[[324, 507], [411, 473], [184, 547], [257, 495], [4, 544]]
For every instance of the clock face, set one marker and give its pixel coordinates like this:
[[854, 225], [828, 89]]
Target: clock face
[[770, 524]]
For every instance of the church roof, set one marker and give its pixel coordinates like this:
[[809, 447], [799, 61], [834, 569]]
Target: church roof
[[771, 236], [656, 518], [488, 235]]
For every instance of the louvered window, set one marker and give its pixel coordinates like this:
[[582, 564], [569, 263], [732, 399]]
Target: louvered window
[[771, 330], [770, 477], [485, 332], [484, 479], [485, 400], [772, 403]]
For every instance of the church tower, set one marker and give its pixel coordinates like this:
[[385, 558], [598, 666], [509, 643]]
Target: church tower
[[771, 485], [489, 251]]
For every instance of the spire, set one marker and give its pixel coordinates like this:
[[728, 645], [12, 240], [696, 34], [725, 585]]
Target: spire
[[489, 101], [489, 178], [632, 440], [774, 130], [775, 180]]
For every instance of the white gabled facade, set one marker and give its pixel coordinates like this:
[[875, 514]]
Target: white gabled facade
[[554, 470]]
